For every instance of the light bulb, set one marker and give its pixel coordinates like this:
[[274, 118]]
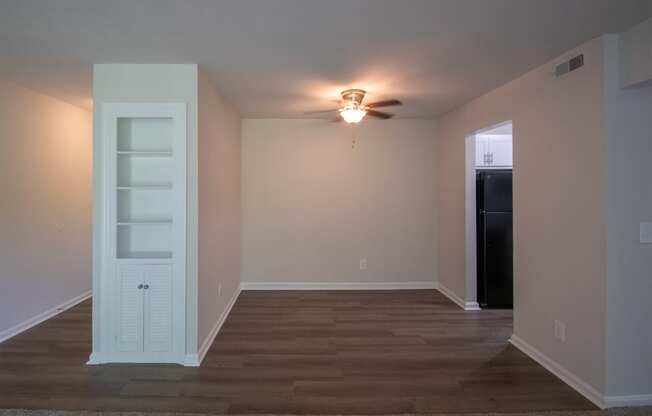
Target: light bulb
[[353, 114]]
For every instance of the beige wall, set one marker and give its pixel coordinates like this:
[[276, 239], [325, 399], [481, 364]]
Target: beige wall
[[559, 206], [313, 206], [45, 209], [219, 205]]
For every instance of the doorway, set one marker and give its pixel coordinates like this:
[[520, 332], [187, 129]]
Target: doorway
[[489, 225]]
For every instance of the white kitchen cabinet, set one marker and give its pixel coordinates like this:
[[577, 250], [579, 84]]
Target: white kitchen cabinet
[[500, 150], [493, 151], [481, 150], [144, 254]]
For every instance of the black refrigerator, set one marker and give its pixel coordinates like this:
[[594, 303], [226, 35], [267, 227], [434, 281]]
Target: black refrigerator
[[495, 238]]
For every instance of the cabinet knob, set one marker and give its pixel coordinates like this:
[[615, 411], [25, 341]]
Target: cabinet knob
[[140, 286], [146, 287]]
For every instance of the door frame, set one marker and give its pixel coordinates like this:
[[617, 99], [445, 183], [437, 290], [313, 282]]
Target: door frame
[[471, 239]]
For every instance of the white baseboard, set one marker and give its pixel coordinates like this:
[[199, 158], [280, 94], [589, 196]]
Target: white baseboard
[[43, 316], [472, 306], [628, 401], [337, 285], [467, 306], [560, 371], [194, 360]]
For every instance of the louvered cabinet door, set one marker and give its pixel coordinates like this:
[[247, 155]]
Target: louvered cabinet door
[[129, 331], [158, 309]]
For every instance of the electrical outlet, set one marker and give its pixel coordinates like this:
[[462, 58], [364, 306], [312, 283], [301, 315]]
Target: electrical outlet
[[363, 264], [219, 289], [560, 330]]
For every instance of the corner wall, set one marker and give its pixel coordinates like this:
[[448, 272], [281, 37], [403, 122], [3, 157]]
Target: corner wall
[[629, 280], [45, 210], [559, 207], [219, 209]]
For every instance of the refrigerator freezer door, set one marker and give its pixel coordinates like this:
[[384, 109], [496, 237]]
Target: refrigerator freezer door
[[497, 192]]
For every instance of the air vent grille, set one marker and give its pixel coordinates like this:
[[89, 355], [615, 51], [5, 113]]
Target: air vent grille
[[570, 65]]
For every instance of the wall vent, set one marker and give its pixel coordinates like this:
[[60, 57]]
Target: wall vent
[[570, 65]]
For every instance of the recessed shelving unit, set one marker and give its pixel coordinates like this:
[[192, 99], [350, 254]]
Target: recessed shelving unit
[[144, 176], [136, 241], [145, 134]]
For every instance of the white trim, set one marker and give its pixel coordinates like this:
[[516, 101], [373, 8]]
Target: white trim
[[194, 360], [467, 306], [560, 371], [472, 306], [191, 360], [627, 401], [95, 359], [337, 285], [43, 316], [106, 322], [470, 220]]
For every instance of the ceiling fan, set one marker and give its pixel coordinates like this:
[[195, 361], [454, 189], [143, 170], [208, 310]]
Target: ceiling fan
[[353, 110]]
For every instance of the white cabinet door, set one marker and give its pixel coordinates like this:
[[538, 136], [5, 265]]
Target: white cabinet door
[[158, 309], [481, 150], [500, 148], [129, 331]]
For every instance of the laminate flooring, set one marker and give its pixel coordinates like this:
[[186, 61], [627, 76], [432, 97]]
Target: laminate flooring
[[299, 352]]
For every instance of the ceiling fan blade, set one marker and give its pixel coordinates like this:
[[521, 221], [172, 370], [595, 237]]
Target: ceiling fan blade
[[385, 103], [379, 114], [337, 119], [320, 111]]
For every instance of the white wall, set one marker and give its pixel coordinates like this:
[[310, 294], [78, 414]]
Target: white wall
[[629, 279], [45, 209], [559, 206], [636, 54], [219, 205], [313, 206], [146, 83]]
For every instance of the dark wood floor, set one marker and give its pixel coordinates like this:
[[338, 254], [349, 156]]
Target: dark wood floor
[[299, 352]]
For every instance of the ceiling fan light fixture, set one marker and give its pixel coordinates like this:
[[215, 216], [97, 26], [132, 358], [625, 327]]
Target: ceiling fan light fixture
[[352, 114]]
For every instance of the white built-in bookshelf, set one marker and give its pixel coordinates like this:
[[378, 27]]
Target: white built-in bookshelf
[[144, 253], [145, 184]]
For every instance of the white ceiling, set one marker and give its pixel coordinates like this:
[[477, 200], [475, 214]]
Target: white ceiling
[[278, 58]]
